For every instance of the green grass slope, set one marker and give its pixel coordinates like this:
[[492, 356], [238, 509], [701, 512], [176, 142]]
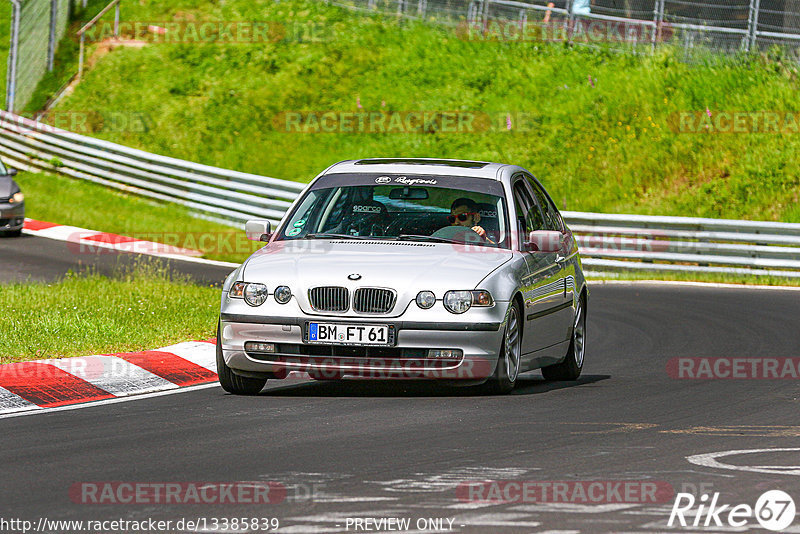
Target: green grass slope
[[592, 124]]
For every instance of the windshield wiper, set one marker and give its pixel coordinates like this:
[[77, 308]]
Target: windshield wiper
[[435, 239], [335, 236]]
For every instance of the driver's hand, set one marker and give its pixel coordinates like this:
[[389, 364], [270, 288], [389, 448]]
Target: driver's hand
[[481, 232]]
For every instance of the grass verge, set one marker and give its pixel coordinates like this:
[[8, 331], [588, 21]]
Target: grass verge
[[142, 308]]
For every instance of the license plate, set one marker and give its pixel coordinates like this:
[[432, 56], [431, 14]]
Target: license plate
[[348, 334]]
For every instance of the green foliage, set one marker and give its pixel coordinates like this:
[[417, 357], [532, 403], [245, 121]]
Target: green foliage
[[598, 127]]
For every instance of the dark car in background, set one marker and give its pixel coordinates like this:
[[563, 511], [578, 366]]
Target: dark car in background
[[12, 203]]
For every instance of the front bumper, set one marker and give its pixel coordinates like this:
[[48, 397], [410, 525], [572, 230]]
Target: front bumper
[[478, 334], [12, 216]]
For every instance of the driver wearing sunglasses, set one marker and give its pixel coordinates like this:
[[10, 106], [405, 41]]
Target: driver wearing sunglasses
[[464, 212]]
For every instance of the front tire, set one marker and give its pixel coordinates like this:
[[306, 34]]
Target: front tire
[[231, 382], [571, 367], [508, 360]]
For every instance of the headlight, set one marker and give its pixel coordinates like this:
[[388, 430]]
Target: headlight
[[457, 301], [461, 301], [17, 198], [426, 299], [255, 294], [283, 294]]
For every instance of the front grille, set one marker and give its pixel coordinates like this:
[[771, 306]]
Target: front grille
[[4, 200], [343, 351], [373, 300], [329, 299]]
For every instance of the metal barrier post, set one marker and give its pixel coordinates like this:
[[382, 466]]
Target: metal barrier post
[[658, 19], [81, 54], [570, 20], [51, 43], [752, 24], [116, 20], [13, 53]]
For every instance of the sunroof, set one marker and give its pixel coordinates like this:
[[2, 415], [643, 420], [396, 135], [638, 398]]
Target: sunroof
[[443, 162]]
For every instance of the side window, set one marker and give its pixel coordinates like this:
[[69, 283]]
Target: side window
[[526, 207], [552, 220]]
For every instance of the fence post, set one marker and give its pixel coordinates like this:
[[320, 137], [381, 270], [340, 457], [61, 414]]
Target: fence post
[[13, 53], [116, 19], [485, 14], [81, 54], [51, 43], [421, 8], [752, 25], [570, 20], [658, 19]]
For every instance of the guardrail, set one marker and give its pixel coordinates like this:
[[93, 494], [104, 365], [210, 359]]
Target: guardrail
[[608, 242], [220, 194], [645, 243]]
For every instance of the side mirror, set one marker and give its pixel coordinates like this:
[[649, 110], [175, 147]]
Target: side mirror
[[11, 172], [544, 241], [258, 230]]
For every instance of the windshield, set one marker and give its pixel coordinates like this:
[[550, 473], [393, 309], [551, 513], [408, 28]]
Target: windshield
[[419, 212]]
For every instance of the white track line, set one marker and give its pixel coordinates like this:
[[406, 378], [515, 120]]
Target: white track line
[[689, 284]]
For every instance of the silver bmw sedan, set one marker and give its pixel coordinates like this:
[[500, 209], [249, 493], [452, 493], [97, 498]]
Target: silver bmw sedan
[[460, 271]]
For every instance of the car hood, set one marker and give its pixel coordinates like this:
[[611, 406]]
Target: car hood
[[7, 187], [408, 267]]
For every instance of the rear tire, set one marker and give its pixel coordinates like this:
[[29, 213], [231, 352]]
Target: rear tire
[[12, 233], [230, 381], [508, 360], [571, 367]]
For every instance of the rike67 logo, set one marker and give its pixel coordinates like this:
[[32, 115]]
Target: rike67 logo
[[774, 510]]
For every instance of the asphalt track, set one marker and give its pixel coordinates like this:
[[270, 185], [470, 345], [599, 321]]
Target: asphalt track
[[38, 259], [367, 449]]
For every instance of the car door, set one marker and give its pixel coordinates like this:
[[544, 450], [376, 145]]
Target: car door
[[542, 289], [563, 313]]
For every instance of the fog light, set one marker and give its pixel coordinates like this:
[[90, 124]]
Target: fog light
[[253, 346], [445, 354], [426, 299], [283, 294]]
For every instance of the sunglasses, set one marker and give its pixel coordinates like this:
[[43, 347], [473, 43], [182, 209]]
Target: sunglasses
[[461, 216]]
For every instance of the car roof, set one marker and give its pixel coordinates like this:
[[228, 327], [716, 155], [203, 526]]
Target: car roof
[[426, 166]]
